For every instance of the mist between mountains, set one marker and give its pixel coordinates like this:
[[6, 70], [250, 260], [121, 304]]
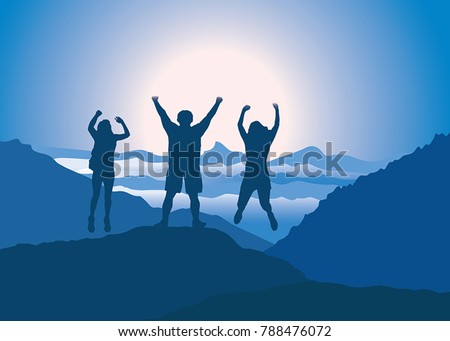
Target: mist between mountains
[[214, 164]]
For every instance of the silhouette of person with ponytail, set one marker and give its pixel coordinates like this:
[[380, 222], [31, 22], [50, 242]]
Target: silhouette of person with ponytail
[[102, 164], [257, 142]]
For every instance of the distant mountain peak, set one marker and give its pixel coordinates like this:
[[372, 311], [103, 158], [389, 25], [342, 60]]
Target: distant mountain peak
[[440, 138], [219, 147], [22, 155], [15, 143], [223, 151]]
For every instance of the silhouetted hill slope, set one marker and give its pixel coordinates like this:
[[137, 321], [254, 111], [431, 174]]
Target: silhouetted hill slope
[[312, 301], [43, 201], [244, 239], [64, 152], [144, 273], [390, 228]]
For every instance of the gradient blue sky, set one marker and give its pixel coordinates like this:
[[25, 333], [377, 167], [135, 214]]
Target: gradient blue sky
[[372, 76]]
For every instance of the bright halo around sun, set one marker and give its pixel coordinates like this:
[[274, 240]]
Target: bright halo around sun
[[193, 81]]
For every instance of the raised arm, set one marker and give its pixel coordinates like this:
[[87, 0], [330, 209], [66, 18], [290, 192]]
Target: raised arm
[[126, 133], [166, 122], [91, 127], [204, 124], [241, 122], [276, 125]]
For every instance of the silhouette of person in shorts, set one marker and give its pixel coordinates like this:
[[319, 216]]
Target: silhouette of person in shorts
[[184, 159]]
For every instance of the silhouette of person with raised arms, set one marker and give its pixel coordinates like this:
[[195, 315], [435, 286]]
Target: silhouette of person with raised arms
[[184, 159], [102, 164], [257, 142]]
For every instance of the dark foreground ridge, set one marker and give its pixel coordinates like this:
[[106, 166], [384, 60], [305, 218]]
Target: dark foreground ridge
[[145, 273], [312, 301]]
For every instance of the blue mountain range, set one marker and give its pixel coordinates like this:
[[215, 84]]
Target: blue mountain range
[[43, 202], [285, 183], [349, 163], [389, 228], [314, 156]]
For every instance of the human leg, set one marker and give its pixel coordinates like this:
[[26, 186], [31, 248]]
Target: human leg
[[245, 194], [166, 208], [264, 200], [96, 187], [108, 183], [194, 186], [195, 210], [173, 186]]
